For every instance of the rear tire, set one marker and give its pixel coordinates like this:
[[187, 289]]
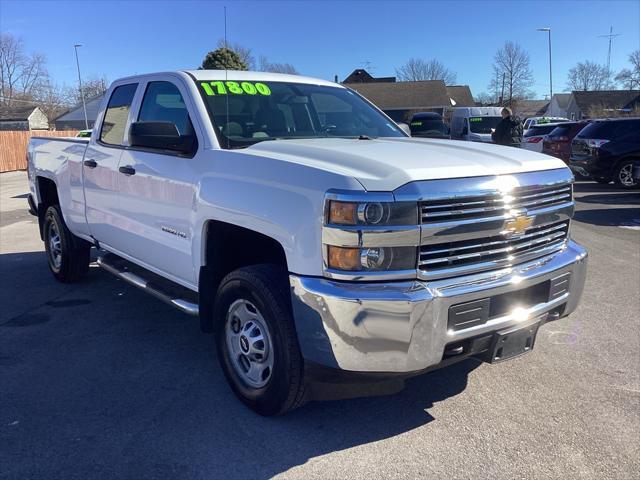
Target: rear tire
[[68, 255], [256, 339], [624, 175]]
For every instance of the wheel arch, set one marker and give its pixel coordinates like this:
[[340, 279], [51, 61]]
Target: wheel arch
[[225, 248]]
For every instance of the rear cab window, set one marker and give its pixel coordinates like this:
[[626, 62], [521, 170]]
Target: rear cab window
[[117, 114]]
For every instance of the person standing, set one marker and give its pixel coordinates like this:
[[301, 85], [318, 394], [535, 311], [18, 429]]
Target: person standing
[[508, 131]]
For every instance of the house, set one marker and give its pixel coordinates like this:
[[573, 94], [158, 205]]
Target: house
[[602, 104], [558, 105], [73, 119], [460, 96], [400, 100], [23, 118], [530, 108], [360, 75]]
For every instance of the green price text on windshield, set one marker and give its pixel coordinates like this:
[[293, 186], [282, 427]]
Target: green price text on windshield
[[220, 87], [475, 119]]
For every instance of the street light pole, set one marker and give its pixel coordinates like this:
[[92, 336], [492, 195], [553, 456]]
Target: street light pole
[[84, 106], [548, 30]]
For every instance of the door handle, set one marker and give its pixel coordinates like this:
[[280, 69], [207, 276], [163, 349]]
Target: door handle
[[127, 170], [90, 163]]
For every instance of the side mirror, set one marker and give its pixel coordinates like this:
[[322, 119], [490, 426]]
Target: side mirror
[[465, 130], [161, 136], [404, 127]]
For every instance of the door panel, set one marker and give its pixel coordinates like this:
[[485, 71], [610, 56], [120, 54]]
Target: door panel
[[100, 168], [157, 200]]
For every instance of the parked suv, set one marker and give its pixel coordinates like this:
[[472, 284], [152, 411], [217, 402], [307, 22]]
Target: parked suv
[[558, 142], [606, 149]]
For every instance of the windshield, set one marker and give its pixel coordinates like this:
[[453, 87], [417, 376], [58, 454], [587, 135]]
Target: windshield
[[539, 130], [244, 113], [428, 127], [483, 124]]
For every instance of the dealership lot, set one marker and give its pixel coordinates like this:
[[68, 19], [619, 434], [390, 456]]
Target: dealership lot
[[99, 380]]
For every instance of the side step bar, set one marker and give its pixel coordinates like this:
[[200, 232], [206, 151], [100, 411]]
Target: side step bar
[[119, 267]]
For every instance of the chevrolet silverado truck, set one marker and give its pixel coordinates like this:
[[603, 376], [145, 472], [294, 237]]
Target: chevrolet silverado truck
[[322, 246]]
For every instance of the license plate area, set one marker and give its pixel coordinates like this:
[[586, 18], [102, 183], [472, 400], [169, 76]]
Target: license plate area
[[513, 342]]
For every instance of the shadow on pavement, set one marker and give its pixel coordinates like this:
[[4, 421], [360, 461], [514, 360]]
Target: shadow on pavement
[[609, 217], [613, 198], [100, 380], [590, 186]]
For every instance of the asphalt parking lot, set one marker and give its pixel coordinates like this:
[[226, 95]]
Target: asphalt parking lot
[[99, 380]]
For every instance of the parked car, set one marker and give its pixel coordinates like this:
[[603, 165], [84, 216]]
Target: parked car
[[531, 121], [558, 141], [605, 150], [474, 124], [532, 139], [318, 242], [428, 125]]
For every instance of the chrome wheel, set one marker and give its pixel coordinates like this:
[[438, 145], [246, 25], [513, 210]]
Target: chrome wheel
[[55, 247], [625, 176], [249, 343]]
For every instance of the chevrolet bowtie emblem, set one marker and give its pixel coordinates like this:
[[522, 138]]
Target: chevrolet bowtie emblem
[[517, 225]]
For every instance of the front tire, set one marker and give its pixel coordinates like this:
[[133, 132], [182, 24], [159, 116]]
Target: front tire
[[256, 339], [624, 175], [68, 255]]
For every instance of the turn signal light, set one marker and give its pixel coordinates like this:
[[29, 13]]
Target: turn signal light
[[343, 213], [341, 258]]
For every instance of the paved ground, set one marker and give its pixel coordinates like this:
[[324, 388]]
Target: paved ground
[[98, 380]]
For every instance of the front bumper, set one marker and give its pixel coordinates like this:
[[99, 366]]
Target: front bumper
[[403, 327]]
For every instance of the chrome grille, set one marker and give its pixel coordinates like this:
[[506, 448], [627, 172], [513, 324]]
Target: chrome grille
[[494, 204], [494, 251]]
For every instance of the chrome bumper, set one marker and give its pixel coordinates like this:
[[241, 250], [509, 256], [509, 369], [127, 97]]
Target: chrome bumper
[[402, 327]]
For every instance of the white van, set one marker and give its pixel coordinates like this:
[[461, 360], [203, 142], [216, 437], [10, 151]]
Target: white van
[[474, 123]]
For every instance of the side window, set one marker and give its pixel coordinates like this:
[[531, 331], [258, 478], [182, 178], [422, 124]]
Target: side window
[[163, 102], [115, 118]]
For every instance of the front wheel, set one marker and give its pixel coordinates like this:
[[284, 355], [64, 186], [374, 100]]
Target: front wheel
[[68, 255], [256, 339], [624, 175]]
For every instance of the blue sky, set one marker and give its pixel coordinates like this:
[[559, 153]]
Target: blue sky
[[322, 38]]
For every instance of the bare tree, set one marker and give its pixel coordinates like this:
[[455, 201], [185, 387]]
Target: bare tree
[[20, 73], [266, 66], [485, 98], [91, 87], [630, 77], [416, 69], [52, 99], [245, 54], [587, 75], [511, 68]]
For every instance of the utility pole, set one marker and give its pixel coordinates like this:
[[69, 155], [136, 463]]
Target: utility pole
[[548, 30], [611, 36], [84, 106]]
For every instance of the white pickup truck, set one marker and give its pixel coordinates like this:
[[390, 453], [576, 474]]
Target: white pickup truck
[[322, 246]]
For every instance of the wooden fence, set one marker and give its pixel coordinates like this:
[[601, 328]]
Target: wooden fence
[[13, 147]]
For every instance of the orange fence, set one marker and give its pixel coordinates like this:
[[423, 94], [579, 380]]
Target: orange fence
[[13, 147]]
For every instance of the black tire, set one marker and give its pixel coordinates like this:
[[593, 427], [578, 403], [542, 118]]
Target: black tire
[[69, 260], [602, 180], [623, 175], [267, 288]]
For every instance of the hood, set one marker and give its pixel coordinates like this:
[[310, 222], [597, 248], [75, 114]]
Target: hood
[[385, 164]]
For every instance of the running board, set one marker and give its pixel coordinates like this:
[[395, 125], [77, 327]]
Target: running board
[[154, 285]]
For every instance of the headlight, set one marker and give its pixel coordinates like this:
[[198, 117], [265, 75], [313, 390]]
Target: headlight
[[372, 213], [368, 236], [371, 259]]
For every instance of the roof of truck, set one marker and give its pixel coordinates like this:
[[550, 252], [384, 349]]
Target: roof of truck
[[256, 76]]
